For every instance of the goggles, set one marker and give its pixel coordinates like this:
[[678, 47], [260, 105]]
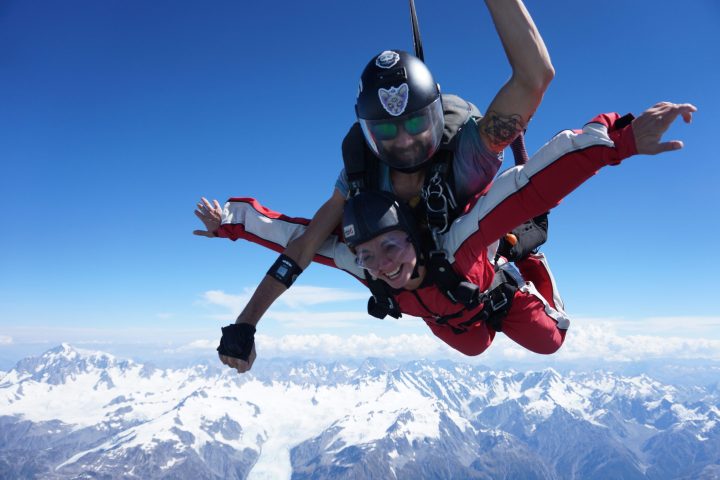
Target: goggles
[[391, 249], [427, 121], [389, 129]]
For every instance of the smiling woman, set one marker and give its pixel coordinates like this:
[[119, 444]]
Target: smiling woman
[[384, 236], [465, 302]]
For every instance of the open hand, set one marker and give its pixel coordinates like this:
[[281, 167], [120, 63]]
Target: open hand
[[210, 215], [650, 126]]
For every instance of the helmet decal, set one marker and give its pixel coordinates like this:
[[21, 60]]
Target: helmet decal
[[387, 59], [395, 99], [360, 88], [349, 231]]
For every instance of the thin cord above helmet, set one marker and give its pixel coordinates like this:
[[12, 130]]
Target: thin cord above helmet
[[400, 110]]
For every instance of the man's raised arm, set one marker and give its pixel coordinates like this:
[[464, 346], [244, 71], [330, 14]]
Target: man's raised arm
[[516, 102]]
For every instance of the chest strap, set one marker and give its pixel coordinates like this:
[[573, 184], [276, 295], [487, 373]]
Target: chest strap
[[382, 302], [496, 302]]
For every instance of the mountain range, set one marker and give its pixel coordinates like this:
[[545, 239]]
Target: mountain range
[[71, 413]]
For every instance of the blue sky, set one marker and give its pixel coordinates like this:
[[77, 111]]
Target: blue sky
[[116, 116]]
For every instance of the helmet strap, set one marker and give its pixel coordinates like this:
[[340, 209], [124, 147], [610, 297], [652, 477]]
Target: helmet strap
[[415, 272]]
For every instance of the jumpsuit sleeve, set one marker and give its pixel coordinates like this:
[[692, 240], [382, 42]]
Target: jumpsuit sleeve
[[247, 219], [559, 167]]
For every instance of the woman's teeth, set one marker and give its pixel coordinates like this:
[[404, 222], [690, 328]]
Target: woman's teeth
[[394, 274]]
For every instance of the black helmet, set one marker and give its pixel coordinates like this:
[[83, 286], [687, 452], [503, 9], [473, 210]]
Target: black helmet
[[397, 91], [370, 214]]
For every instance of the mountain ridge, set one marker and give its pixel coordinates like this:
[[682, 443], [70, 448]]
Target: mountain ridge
[[92, 413]]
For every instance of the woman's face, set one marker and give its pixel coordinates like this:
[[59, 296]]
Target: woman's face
[[390, 257]]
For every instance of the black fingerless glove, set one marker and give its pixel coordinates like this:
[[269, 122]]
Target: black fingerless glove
[[237, 340]]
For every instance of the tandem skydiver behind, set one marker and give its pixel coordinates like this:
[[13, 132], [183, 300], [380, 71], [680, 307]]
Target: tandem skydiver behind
[[401, 127], [380, 238]]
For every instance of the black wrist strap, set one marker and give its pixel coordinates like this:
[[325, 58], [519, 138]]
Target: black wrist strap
[[285, 270]]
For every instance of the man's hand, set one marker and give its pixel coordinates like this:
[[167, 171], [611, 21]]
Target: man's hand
[[650, 126], [237, 346], [241, 366], [210, 215]]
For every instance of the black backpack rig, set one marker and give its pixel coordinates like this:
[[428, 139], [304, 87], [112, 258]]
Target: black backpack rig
[[436, 211]]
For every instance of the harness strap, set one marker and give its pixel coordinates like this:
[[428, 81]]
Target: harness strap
[[455, 287], [361, 167], [437, 192], [382, 302], [496, 303]]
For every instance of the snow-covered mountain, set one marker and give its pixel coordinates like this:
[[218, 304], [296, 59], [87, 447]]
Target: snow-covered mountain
[[76, 414]]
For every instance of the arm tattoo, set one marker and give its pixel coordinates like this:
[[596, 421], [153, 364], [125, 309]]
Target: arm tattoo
[[501, 129]]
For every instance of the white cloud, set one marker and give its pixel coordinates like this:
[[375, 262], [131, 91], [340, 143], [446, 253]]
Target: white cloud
[[295, 301], [695, 327], [226, 300], [5, 340], [302, 296], [297, 297], [194, 346], [354, 346], [596, 341], [305, 319], [511, 350], [602, 341], [228, 317]]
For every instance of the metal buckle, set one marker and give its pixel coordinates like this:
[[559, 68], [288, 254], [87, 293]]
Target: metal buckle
[[436, 203], [496, 306], [433, 254]]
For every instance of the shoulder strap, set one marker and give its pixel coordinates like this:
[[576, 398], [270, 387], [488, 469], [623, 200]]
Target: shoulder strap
[[439, 187], [453, 285], [456, 112], [361, 166]]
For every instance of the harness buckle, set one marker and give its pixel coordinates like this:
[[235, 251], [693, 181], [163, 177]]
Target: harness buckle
[[436, 203], [501, 303], [437, 254]]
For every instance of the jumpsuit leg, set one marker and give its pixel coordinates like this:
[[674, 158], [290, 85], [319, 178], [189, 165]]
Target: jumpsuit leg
[[534, 268], [537, 319]]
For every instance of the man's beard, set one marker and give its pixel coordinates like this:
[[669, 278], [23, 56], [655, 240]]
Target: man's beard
[[409, 156]]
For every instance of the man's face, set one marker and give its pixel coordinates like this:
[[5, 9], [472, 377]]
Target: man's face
[[405, 141], [408, 150]]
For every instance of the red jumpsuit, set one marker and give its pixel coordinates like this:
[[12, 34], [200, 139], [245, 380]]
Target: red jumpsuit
[[536, 319]]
